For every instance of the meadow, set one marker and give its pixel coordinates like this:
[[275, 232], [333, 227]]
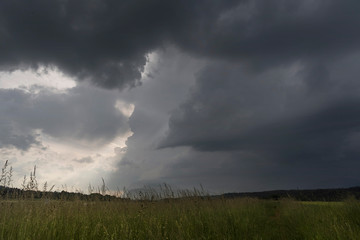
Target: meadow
[[186, 218], [30, 213]]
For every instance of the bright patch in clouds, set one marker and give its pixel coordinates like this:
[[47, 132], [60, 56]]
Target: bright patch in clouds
[[125, 108], [64, 155], [153, 59], [47, 77]]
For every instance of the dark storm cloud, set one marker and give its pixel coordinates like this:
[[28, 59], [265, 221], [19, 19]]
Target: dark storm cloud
[[264, 32], [79, 114], [11, 135], [10, 139], [105, 42], [294, 123], [230, 108], [300, 118], [279, 95], [306, 45]]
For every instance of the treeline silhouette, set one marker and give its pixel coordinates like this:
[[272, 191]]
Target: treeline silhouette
[[333, 194], [329, 195], [15, 193]]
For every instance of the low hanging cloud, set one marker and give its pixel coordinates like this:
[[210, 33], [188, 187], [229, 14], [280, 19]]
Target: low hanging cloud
[[106, 42], [287, 67], [21, 141], [80, 114], [294, 125], [264, 32], [277, 101], [297, 112]]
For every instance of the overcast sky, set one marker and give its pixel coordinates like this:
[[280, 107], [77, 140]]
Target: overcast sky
[[236, 95]]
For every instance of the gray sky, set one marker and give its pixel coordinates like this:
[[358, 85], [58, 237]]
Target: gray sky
[[236, 95]]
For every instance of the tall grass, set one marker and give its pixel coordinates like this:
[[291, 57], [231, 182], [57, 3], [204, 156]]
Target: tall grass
[[6, 175], [169, 214], [194, 218]]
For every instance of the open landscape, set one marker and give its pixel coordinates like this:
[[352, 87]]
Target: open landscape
[[183, 214], [185, 218], [180, 119]]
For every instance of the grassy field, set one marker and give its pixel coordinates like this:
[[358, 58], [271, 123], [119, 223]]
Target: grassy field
[[179, 219]]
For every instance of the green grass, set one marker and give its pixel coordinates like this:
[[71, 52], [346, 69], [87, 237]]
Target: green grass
[[179, 219]]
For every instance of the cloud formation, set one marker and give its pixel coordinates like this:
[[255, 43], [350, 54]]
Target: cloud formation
[[307, 48], [273, 87], [80, 114], [276, 101], [291, 121], [228, 102], [105, 42], [265, 32]]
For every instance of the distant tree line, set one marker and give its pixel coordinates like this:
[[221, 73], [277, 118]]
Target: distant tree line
[[335, 194], [15, 193]]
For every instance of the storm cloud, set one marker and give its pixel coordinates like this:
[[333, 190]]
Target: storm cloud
[[298, 118], [81, 114], [275, 106], [242, 94], [106, 42], [308, 92]]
